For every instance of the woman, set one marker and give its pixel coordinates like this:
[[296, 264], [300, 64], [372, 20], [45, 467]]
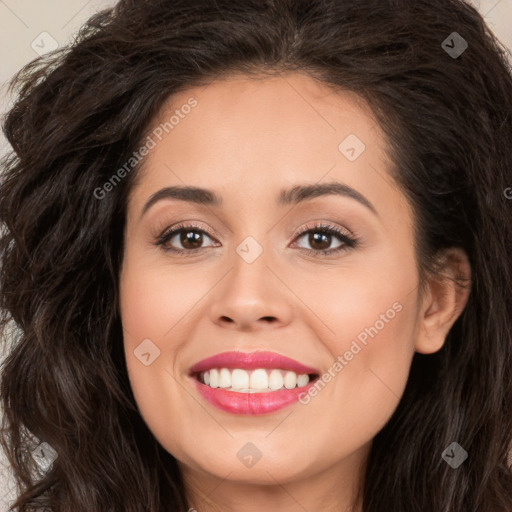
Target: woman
[[256, 255]]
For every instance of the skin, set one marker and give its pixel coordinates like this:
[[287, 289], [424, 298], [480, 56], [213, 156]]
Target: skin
[[246, 140]]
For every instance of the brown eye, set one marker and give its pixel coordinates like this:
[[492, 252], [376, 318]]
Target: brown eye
[[321, 237], [182, 239], [191, 239], [319, 241]]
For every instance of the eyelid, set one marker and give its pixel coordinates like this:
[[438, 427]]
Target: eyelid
[[326, 226], [192, 225]]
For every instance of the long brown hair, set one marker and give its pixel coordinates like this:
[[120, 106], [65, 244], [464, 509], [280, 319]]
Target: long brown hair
[[80, 113]]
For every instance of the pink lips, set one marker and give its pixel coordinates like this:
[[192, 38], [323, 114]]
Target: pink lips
[[251, 361], [250, 403]]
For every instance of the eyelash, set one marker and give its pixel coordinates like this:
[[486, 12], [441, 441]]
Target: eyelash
[[348, 242]]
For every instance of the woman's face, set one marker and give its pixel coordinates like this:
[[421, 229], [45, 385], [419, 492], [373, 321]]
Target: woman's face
[[252, 276]]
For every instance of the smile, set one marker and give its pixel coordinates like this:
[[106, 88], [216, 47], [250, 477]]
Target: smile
[[251, 383]]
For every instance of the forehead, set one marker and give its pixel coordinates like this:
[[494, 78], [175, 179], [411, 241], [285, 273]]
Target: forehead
[[284, 117], [263, 135], [281, 112]]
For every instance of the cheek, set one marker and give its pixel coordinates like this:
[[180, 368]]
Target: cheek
[[156, 299], [372, 321], [376, 356], [363, 386], [149, 314], [158, 304]]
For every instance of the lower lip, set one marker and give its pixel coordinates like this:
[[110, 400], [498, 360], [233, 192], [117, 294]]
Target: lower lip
[[250, 403]]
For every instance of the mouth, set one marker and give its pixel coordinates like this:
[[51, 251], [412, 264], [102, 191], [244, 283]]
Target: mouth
[[251, 383]]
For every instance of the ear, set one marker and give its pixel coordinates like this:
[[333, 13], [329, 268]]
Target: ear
[[445, 296]]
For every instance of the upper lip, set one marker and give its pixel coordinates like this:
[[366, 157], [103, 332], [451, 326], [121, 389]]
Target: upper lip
[[251, 361]]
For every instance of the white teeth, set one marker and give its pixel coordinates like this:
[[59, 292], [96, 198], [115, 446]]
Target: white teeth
[[290, 380], [214, 379], [302, 380], [275, 380], [259, 379], [239, 379], [224, 378], [255, 381]]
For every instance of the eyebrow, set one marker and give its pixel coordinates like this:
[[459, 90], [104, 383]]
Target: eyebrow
[[294, 195]]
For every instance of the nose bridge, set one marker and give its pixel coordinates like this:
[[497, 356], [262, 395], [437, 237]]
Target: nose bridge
[[250, 274], [251, 293]]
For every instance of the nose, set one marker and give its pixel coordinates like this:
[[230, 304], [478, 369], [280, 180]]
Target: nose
[[252, 296]]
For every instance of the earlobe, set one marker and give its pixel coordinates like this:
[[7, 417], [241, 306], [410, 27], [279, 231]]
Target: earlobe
[[445, 298]]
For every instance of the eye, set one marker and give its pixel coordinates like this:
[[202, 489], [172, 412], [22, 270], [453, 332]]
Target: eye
[[320, 238], [190, 236]]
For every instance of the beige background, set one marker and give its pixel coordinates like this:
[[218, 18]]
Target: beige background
[[31, 26]]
